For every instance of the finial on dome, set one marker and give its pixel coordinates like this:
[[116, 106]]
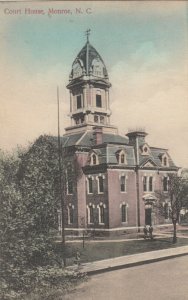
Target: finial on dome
[[87, 34]]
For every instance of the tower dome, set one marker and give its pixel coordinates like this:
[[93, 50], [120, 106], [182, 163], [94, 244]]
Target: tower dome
[[88, 63]]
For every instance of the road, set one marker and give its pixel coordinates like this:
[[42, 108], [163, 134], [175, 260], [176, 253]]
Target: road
[[165, 280]]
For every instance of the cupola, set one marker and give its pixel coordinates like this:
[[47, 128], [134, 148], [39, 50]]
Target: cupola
[[89, 92]]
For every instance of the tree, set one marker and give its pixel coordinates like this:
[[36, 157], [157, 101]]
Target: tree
[[172, 201]]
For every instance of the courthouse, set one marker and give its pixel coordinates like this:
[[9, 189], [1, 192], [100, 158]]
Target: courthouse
[[114, 178]]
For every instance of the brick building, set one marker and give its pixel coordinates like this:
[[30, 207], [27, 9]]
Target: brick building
[[113, 178]]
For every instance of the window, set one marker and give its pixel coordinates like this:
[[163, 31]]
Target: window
[[165, 184], [70, 214], [79, 102], [122, 183], [101, 184], [90, 185], [165, 161], [150, 184], [122, 158], [124, 213], [69, 186], [101, 213], [145, 183], [90, 214], [98, 101]]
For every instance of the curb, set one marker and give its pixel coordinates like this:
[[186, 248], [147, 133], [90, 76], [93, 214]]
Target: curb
[[137, 260], [129, 265]]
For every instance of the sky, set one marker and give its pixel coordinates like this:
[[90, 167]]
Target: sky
[[143, 44]]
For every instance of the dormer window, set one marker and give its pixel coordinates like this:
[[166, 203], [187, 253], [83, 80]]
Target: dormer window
[[145, 150], [94, 159], [121, 157], [164, 160]]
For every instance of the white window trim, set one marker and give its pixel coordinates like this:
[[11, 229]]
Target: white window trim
[[147, 183], [88, 213], [126, 212], [97, 177], [70, 206], [99, 214], [122, 152], [91, 159], [126, 177], [167, 160], [87, 181], [165, 176]]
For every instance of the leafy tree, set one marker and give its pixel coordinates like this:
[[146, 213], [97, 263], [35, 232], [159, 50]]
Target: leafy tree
[[29, 198], [174, 199]]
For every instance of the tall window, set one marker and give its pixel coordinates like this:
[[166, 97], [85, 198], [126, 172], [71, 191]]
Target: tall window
[[79, 102], [101, 213], [123, 213], [165, 184], [69, 186], [150, 184], [98, 101], [145, 183], [101, 184], [90, 185], [90, 214], [70, 214], [94, 159], [122, 184]]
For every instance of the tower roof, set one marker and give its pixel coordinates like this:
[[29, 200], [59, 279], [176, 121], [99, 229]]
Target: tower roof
[[89, 63]]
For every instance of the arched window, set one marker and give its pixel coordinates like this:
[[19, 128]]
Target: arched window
[[124, 213], [100, 179], [165, 184], [90, 185], [101, 214], [94, 159], [70, 214], [122, 183], [121, 157], [90, 210], [150, 184]]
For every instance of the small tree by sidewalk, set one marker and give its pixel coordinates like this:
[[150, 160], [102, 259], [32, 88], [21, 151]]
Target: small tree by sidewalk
[[171, 202]]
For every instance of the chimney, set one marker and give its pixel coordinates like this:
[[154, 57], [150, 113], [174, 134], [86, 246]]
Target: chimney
[[136, 135], [97, 135]]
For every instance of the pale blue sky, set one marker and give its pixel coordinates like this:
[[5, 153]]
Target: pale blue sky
[[144, 46]]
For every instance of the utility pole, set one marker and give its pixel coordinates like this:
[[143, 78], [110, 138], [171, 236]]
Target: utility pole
[[61, 185]]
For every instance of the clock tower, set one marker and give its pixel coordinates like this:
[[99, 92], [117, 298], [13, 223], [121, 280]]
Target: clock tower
[[89, 92]]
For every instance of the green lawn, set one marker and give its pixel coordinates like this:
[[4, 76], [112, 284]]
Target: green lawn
[[102, 250]]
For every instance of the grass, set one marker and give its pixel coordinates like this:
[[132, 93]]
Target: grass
[[94, 251]]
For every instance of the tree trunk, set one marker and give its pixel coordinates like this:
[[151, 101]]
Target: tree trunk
[[174, 233]]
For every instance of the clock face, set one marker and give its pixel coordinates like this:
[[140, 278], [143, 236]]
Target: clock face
[[77, 70]]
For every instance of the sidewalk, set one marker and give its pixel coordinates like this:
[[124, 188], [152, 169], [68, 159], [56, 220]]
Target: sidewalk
[[130, 260]]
